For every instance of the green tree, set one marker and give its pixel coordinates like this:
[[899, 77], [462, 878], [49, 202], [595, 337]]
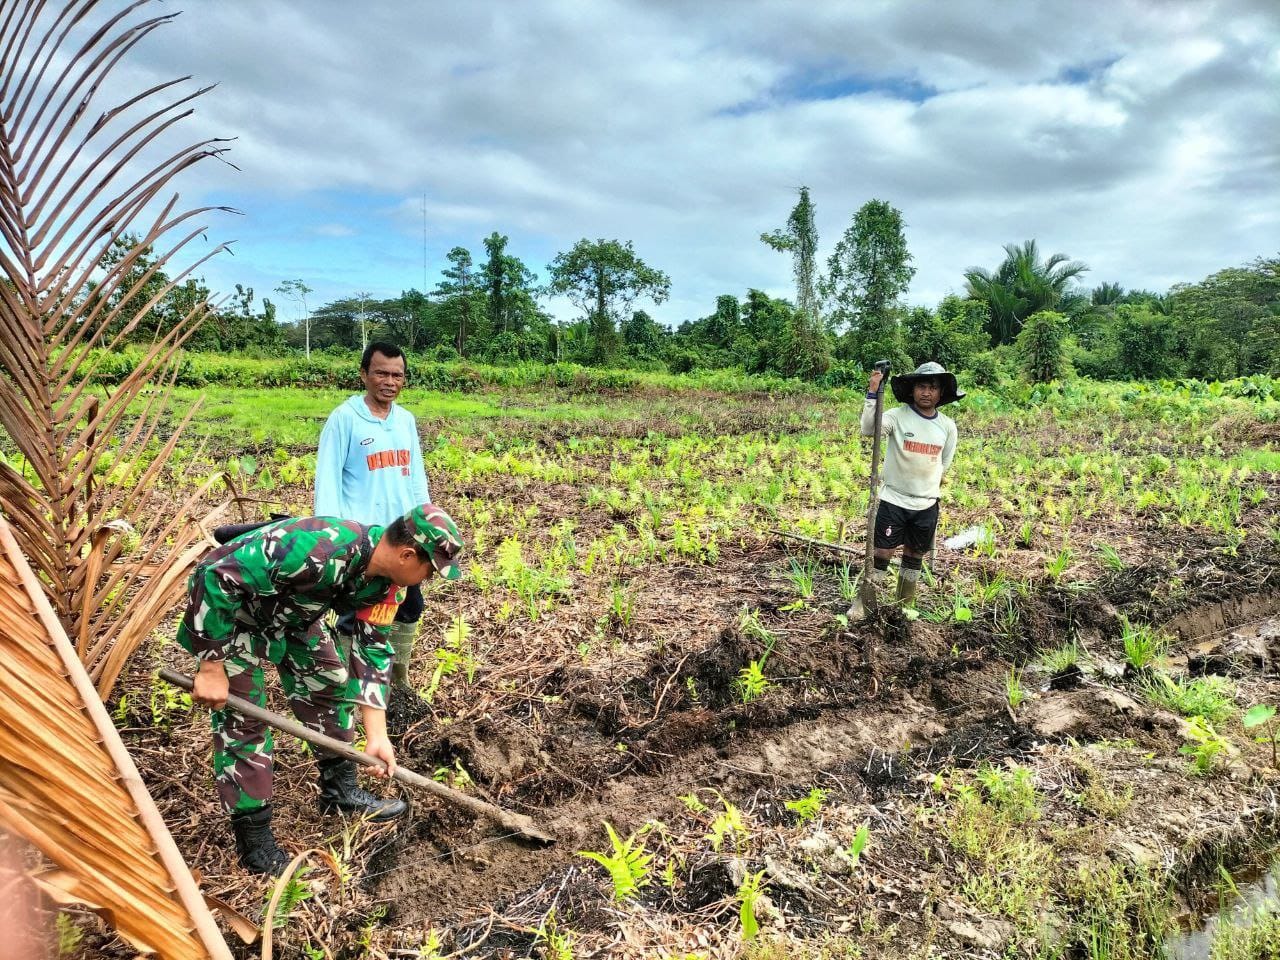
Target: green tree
[[603, 278], [1021, 286], [723, 326], [296, 291], [510, 303], [336, 324], [141, 282], [870, 268], [642, 335], [952, 335], [867, 274], [1145, 344], [236, 325], [1106, 294], [408, 320], [805, 350], [765, 325], [457, 294], [1227, 321], [1042, 346]]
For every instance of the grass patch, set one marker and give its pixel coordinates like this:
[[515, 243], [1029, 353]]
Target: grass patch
[[1212, 698]]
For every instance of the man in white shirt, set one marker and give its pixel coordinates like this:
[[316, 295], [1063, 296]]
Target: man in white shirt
[[920, 443]]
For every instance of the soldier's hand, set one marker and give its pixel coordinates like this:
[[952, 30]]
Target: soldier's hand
[[380, 747], [211, 686]]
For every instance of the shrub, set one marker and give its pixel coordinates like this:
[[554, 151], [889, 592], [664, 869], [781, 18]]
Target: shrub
[[1042, 347]]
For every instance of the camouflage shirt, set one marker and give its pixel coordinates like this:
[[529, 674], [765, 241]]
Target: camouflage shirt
[[279, 581]]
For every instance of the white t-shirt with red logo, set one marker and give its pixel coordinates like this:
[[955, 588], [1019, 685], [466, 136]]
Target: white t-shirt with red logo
[[917, 451]]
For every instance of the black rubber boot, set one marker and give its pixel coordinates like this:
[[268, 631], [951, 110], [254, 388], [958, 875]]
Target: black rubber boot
[[339, 793], [256, 844]]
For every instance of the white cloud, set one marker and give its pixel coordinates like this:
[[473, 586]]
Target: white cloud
[[1143, 138]]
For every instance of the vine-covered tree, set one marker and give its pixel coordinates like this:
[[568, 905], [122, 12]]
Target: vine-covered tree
[[1228, 321], [805, 350], [1041, 346]]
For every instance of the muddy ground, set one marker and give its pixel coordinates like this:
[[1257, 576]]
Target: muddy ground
[[583, 717]]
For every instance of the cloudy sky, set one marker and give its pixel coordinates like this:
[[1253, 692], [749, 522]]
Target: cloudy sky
[[1141, 136]]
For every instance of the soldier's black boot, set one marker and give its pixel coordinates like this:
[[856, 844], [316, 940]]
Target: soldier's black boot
[[256, 844], [339, 793]]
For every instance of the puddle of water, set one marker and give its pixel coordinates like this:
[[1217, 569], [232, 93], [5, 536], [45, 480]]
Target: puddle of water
[[1263, 891]]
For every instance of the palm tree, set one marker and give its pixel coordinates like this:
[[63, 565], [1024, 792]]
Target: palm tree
[[85, 240], [1106, 294], [1021, 286]]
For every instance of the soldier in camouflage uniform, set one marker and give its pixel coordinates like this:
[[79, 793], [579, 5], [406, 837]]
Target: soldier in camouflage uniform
[[263, 597]]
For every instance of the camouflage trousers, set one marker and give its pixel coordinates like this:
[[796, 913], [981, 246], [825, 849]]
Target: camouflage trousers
[[313, 673]]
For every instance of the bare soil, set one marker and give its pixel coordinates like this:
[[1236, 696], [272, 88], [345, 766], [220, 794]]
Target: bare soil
[[877, 715]]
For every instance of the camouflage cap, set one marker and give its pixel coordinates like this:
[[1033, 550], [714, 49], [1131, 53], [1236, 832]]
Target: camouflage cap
[[436, 535]]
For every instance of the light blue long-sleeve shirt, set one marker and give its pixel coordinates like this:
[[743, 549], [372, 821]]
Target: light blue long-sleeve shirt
[[369, 470]]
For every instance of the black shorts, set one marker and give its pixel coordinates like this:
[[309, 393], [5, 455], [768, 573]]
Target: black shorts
[[896, 526]]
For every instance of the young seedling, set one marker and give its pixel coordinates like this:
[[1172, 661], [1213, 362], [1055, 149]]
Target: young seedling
[[751, 680], [1057, 567], [1206, 744], [848, 583], [1063, 665], [296, 892], [555, 944], [1014, 691], [455, 655], [1263, 715], [808, 806], [628, 864], [728, 823], [1212, 698], [1110, 558], [853, 852], [801, 577], [748, 894]]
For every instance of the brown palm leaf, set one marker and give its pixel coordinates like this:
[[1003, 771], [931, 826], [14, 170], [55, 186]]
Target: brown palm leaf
[[69, 788], [76, 178]]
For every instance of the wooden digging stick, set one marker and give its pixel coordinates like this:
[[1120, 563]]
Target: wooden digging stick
[[866, 588], [515, 822]]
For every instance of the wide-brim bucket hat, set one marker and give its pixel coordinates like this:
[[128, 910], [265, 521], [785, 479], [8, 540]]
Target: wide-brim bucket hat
[[904, 383]]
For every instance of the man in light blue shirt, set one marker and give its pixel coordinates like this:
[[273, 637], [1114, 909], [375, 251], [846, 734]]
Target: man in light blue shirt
[[369, 469]]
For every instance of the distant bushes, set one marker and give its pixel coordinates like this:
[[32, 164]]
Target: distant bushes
[[338, 370]]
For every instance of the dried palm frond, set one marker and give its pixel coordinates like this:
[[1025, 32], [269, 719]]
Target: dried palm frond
[[69, 788], [75, 283]]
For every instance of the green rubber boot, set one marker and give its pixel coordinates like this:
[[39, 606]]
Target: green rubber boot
[[403, 637], [908, 580]]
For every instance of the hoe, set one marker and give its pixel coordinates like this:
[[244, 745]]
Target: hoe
[[515, 822]]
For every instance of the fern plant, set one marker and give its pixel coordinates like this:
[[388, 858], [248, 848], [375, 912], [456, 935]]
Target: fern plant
[[628, 864], [808, 806], [728, 824]]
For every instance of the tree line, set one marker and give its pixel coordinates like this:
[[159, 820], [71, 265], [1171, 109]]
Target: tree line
[[1029, 316]]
